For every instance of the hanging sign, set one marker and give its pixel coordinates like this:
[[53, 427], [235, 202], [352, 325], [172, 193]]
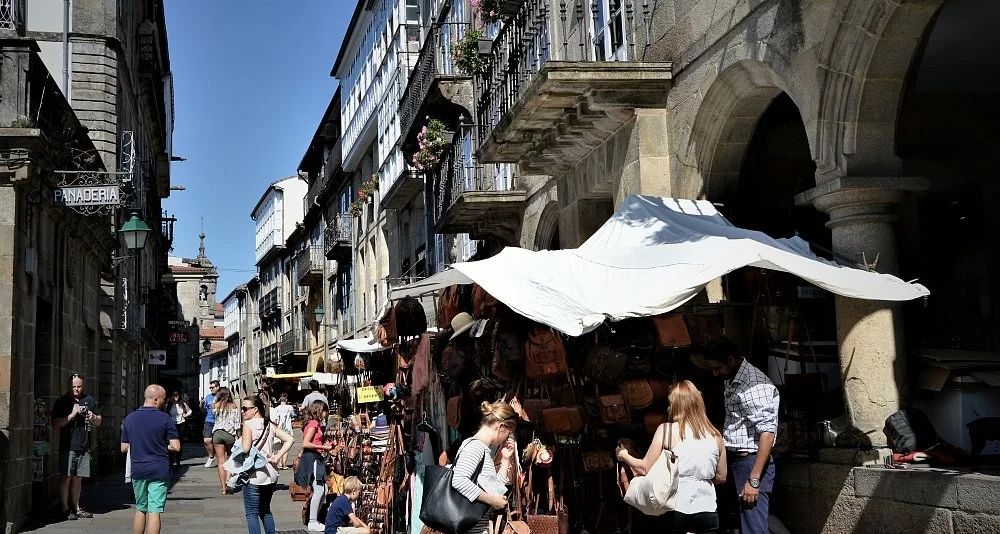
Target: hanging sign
[[157, 357], [177, 337], [88, 195], [369, 394]]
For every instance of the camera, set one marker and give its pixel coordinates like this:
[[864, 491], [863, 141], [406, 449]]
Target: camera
[[83, 410]]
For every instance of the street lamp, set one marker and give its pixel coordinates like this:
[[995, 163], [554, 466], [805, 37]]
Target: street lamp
[[206, 345], [134, 232], [319, 313]]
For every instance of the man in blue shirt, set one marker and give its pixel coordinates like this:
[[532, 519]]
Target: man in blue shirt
[[149, 435], [206, 431]]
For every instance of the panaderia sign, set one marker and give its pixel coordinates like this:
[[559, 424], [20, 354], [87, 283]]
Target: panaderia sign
[[90, 195]]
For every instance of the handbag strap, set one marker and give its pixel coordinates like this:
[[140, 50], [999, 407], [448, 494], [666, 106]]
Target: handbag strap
[[668, 439]]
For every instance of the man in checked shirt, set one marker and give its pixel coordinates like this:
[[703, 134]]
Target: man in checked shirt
[[749, 431]]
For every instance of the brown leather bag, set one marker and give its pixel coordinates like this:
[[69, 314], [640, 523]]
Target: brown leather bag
[[295, 491], [543, 524], [544, 354], [671, 331], [535, 407], [704, 327], [563, 420], [614, 410], [637, 393], [448, 306], [652, 421], [484, 306], [598, 461]]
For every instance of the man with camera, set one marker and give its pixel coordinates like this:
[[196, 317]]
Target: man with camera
[[74, 415]]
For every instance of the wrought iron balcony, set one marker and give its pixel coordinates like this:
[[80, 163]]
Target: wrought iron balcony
[[435, 87], [293, 342], [481, 200], [268, 355], [339, 238], [310, 266], [403, 190], [12, 16], [546, 104], [270, 303]]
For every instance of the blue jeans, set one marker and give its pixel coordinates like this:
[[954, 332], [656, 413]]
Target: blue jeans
[[257, 503], [752, 520]]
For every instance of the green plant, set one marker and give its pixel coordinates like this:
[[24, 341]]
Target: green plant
[[22, 122], [431, 144], [466, 53]]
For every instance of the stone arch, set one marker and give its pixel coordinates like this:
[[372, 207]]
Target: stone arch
[[726, 120], [863, 62], [548, 225]]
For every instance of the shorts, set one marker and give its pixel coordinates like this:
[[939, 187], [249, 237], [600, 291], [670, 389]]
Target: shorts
[[221, 437], [206, 431], [150, 495], [74, 464]]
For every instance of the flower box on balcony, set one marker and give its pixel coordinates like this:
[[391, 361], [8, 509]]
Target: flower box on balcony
[[509, 8], [485, 46]]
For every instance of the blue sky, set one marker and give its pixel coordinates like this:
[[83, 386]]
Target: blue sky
[[251, 82]]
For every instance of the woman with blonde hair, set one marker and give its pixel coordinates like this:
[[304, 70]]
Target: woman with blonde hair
[[701, 459], [475, 454], [227, 425], [312, 465]]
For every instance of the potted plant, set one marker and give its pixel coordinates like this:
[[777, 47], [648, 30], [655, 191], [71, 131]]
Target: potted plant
[[432, 143], [365, 195], [466, 54], [488, 10]]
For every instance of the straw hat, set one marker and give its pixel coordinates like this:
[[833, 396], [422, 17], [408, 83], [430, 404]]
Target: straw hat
[[461, 323]]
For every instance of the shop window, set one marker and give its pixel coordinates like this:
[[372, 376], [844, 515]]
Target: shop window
[[609, 25]]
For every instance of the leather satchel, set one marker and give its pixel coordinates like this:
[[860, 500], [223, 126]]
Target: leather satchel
[[605, 364], [484, 305], [637, 393], [544, 354], [613, 409], [563, 420], [671, 331], [596, 462], [542, 524]]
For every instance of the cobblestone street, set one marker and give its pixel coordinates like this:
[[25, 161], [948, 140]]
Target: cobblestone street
[[194, 505]]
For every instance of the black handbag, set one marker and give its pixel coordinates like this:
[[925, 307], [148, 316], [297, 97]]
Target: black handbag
[[445, 509]]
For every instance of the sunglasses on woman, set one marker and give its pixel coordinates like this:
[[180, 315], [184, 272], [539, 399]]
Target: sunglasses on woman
[[245, 408]]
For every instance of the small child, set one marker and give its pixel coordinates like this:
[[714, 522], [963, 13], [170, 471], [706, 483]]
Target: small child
[[340, 519]]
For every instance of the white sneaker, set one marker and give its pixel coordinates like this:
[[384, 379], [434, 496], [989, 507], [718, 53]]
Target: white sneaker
[[210, 463], [315, 526]]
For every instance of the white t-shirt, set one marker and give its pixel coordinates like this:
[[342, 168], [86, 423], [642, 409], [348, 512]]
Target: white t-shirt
[[313, 397], [282, 416], [177, 413]]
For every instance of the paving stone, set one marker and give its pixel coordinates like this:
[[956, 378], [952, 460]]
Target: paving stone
[[194, 505]]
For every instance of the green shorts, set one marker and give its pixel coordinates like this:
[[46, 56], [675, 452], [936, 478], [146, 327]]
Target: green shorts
[[150, 495]]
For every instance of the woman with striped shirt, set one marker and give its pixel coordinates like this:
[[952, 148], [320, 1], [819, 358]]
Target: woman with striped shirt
[[498, 423]]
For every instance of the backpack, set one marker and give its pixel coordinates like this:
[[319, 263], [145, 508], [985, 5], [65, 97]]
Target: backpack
[[410, 318], [544, 354], [507, 349]]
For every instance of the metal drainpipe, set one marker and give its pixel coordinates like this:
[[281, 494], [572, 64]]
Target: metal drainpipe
[[65, 43], [324, 325]]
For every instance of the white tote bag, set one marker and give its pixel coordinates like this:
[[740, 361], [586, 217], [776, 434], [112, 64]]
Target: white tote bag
[[656, 492]]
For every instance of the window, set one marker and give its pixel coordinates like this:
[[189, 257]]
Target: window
[[203, 294], [609, 27]]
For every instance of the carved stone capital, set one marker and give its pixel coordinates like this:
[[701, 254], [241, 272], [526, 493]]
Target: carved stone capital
[[860, 199]]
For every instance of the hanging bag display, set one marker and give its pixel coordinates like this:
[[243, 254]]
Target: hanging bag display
[[409, 317], [671, 331], [445, 509], [656, 492], [604, 363], [613, 409], [544, 354]]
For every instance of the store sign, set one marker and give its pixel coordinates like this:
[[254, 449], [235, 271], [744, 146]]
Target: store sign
[[90, 195], [177, 337], [157, 357], [369, 394]]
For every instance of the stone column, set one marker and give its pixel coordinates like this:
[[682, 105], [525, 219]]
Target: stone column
[[869, 333]]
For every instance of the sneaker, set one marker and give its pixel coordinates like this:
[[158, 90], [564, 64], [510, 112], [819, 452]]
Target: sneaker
[[83, 514], [68, 515], [315, 526], [210, 463]]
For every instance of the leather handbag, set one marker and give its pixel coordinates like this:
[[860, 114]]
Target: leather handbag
[[656, 492], [671, 331], [448, 306], [542, 524], [612, 408], [544, 354], [445, 509], [637, 393], [484, 305], [597, 461], [453, 412], [704, 327], [605, 364], [561, 420]]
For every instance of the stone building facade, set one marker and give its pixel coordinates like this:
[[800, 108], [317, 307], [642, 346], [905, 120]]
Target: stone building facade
[[837, 121]]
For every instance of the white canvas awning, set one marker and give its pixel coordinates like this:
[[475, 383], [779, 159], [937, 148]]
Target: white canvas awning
[[363, 345], [652, 256]]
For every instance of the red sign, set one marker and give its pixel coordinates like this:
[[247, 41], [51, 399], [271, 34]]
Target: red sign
[[177, 337]]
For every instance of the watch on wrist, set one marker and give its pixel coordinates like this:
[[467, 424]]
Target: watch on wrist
[[754, 483]]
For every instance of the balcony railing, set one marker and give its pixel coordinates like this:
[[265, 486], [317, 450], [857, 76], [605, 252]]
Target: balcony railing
[[526, 42], [460, 173], [270, 303], [292, 342], [310, 266], [338, 237], [434, 61], [12, 15], [268, 355]]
